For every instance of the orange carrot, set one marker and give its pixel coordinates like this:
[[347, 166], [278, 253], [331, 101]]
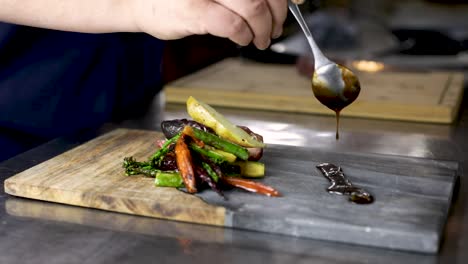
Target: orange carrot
[[251, 186], [184, 164]]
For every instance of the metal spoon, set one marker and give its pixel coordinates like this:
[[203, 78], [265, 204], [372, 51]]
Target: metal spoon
[[333, 85]]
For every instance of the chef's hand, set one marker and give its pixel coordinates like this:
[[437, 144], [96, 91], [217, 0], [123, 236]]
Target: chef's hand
[[242, 21]]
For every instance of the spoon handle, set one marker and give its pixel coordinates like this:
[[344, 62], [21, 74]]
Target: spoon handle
[[319, 59]]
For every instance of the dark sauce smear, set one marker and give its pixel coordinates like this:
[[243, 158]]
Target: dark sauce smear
[[341, 185]]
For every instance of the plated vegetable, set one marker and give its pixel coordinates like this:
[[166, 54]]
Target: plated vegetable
[[208, 151]]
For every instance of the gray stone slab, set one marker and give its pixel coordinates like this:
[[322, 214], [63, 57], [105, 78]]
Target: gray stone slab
[[412, 199]]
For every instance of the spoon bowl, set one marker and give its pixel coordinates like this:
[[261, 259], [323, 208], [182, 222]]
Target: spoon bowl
[[335, 86]]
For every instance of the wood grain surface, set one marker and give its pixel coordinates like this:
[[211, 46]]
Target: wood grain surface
[[411, 96], [412, 196], [91, 175]]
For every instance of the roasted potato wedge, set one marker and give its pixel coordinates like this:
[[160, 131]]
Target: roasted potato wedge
[[209, 117]]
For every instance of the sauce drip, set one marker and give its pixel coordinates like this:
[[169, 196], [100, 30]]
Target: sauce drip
[[341, 185], [337, 113]]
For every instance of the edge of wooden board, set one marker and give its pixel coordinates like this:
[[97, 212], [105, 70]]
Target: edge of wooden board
[[200, 211], [445, 112]]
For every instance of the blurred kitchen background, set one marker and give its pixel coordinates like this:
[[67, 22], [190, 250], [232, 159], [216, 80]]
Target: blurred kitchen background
[[411, 34]]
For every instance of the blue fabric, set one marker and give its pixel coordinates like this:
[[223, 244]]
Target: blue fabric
[[54, 83]]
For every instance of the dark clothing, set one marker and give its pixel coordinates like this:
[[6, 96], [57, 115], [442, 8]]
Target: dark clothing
[[54, 83]]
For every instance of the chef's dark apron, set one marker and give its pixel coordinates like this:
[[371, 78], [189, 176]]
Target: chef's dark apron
[[54, 83]]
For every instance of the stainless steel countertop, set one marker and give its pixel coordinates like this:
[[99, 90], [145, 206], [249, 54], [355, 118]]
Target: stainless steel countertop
[[42, 232]]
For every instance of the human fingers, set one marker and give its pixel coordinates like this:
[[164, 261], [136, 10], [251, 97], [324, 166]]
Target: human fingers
[[257, 15], [298, 2], [216, 19], [279, 11]]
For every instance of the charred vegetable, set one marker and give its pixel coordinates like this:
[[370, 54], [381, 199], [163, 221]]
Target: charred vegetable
[[251, 169], [171, 128], [211, 153], [251, 186], [255, 154], [157, 157], [217, 142], [185, 165], [133, 167], [209, 117], [168, 179], [162, 178]]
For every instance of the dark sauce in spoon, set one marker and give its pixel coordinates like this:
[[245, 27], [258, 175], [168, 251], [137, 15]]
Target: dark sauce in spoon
[[341, 185], [333, 100]]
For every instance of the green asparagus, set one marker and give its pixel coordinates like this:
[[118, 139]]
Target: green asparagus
[[220, 143], [210, 171], [168, 179], [157, 157], [133, 167], [215, 157]]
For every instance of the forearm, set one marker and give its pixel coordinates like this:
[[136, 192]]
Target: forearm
[[90, 16], [242, 21]]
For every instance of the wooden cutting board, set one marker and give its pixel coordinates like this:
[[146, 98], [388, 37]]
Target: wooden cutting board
[[412, 196], [411, 96]]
